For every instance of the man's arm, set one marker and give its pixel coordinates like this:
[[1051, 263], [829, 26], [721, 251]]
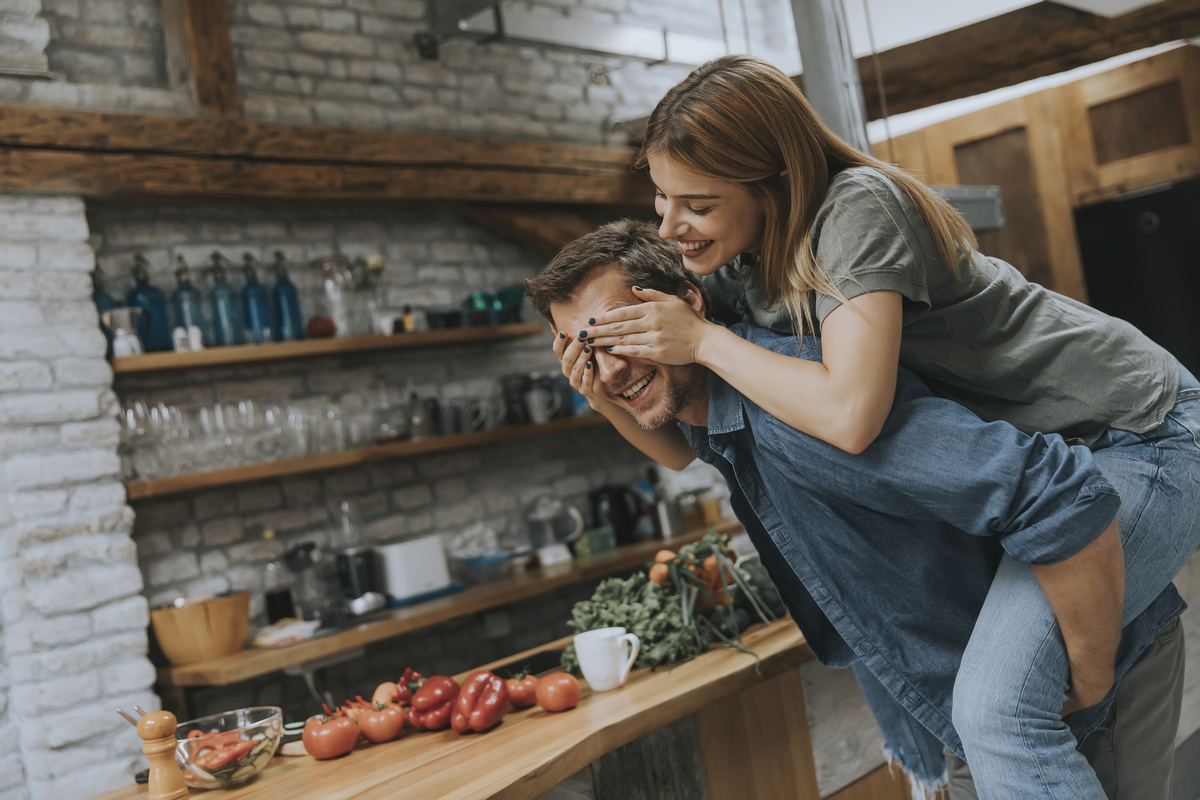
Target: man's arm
[[1086, 592]]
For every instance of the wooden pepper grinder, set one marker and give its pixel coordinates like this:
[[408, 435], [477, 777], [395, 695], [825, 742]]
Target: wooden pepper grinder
[[157, 730]]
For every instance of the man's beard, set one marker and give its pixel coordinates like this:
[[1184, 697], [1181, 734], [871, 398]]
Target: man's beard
[[679, 395]]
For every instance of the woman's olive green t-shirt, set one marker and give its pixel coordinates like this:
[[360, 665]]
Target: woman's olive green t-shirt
[[1003, 347]]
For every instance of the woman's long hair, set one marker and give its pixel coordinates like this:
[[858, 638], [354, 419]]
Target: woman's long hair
[[740, 120]]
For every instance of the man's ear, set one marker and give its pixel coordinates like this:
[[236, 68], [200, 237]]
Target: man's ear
[[689, 294]]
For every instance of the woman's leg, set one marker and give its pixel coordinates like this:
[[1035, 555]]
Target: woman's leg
[[1010, 687], [1014, 674]]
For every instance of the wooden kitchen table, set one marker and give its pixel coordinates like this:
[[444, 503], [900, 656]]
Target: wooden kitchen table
[[752, 728]]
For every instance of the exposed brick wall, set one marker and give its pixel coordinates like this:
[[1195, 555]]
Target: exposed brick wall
[[354, 63], [71, 611], [23, 35], [108, 42]]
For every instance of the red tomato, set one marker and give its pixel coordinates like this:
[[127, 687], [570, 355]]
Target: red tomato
[[558, 691], [329, 737], [383, 722], [522, 690]]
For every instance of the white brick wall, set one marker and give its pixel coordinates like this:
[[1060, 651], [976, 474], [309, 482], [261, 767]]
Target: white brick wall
[[68, 559], [354, 63]]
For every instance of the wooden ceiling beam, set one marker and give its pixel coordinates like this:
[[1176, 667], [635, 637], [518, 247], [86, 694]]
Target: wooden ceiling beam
[[95, 174], [200, 55], [68, 129], [1031, 42]]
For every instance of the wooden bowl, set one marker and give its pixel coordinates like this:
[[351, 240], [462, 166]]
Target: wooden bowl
[[203, 630]]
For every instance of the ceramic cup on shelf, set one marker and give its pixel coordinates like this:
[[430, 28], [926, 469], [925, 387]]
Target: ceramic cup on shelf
[[604, 658], [541, 404]]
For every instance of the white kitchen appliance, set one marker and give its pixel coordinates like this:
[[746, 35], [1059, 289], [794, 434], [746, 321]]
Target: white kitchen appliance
[[414, 567]]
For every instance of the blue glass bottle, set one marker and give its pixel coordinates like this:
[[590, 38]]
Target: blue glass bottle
[[186, 304], [104, 302], [286, 319], [224, 307], [155, 330], [256, 308]]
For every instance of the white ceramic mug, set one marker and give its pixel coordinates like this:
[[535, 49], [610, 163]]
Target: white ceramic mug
[[603, 659]]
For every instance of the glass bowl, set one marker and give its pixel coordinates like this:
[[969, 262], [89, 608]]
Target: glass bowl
[[224, 750]]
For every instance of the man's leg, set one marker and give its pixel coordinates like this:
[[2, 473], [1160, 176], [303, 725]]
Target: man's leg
[[1134, 750]]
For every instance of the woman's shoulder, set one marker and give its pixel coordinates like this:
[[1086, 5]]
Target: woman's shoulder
[[864, 186]]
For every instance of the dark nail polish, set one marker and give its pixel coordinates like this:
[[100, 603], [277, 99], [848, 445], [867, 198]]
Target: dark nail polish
[[592, 321], [585, 349], [592, 340], [583, 334], [588, 365], [562, 335], [610, 349], [638, 289]]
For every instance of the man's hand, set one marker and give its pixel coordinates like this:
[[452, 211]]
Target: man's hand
[[576, 359], [1087, 689], [1087, 594]]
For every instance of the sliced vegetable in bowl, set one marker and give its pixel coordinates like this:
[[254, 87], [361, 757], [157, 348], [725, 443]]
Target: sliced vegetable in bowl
[[224, 750]]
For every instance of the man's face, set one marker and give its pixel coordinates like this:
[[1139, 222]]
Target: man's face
[[654, 394]]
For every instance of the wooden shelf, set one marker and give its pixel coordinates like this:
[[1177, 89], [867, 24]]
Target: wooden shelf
[[251, 663], [310, 348], [173, 484]]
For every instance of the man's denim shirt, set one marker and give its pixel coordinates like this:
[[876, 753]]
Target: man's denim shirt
[[887, 556]]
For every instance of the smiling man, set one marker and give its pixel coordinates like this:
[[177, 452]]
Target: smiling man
[[884, 558]]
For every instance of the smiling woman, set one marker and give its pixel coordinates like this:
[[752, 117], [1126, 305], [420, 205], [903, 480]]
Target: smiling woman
[[712, 221]]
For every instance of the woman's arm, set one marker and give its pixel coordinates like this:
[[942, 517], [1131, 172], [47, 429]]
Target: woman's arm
[[666, 445], [1087, 594], [842, 400]]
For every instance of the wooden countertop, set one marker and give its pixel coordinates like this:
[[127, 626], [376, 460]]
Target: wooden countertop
[[532, 750], [252, 662]]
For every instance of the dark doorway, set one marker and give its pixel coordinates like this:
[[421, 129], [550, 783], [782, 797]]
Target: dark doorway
[[1141, 260]]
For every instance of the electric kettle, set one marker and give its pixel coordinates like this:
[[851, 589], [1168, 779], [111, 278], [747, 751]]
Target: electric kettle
[[551, 525]]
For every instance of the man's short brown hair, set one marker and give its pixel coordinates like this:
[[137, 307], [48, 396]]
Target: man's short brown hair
[[634, 246]]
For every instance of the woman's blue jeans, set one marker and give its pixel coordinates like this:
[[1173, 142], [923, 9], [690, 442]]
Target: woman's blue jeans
[[1014, 676]]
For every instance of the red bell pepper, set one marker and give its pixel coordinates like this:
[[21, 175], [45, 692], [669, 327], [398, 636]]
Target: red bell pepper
[[409, 684], [433, 703], [481, 704]]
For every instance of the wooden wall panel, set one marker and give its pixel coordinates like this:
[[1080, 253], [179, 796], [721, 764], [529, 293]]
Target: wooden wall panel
[[1104, 163], [1004, 159], [907, 151], [1142, 122], [748, 738]]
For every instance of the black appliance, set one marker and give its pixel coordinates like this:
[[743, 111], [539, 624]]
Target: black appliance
[[620, 507], [1141, 260]]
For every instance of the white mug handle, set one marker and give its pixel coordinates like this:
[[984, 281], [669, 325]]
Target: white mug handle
[[635, 646], [555, 402]]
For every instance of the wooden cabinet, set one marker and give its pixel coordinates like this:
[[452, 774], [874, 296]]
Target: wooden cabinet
[[1133, 127], [1051, 151]]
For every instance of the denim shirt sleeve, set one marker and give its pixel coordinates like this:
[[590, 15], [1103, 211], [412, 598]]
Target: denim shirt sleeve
[[935, 460], [1045, 499]]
